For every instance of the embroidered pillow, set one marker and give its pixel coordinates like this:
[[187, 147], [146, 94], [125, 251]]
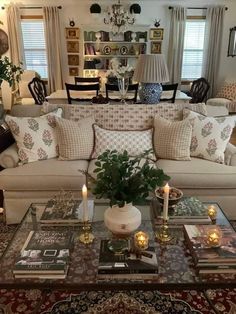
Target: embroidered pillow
[[210, 135], [75, 139], [135, 142], [172, 139], [228, 91], [35, 137]]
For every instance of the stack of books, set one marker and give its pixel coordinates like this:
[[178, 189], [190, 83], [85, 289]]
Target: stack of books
[[207, 259], [126, 264], [53, 216], [189, 210], [45, 254]]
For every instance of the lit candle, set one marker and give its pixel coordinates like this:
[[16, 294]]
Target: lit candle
[[166, 201], [141, 240], [85, 202], [212, 212], [214, 237]]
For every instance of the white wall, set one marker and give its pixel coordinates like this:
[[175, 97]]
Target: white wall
[[151, 10]]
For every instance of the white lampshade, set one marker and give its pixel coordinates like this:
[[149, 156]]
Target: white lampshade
[[151, 69]]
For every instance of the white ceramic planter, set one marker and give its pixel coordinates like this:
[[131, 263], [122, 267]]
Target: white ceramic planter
[[122, 220]]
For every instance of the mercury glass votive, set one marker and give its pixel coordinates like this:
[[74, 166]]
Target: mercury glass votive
[[212, 212], [141, 240], [214, 237]]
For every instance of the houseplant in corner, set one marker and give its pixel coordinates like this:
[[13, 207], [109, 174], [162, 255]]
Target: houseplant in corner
[[125, 181], [10, 74]]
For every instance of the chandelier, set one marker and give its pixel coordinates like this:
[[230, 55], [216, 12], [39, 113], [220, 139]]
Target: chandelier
[[118, 18]]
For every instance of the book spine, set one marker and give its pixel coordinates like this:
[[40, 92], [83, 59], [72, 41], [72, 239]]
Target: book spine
[[127, 271], [190, 247]]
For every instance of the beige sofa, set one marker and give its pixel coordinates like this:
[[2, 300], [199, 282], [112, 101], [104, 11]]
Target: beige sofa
[[40, 180]]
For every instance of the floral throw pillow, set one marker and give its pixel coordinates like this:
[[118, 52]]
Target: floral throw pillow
[[35, 137], [228, 91], [210, 135]]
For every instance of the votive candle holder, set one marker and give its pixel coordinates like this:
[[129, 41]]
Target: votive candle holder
[[141, 240]]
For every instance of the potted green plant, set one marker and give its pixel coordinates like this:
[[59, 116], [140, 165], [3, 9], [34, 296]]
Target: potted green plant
[[125, 181], [9, 72]]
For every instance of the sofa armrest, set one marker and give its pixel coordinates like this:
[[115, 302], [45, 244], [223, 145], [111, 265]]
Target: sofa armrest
[[230, 155], [9, 157]]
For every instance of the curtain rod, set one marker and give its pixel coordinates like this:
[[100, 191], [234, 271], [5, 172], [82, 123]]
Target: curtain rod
[[226, 8], [59, 7]]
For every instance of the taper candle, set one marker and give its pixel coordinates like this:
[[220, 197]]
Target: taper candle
[[85, 202], [166, 201]]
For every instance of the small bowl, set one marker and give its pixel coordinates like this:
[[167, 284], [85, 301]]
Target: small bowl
[[175, 195]]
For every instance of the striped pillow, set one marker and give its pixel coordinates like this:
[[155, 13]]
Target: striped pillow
[[75, 139], [172, 139]]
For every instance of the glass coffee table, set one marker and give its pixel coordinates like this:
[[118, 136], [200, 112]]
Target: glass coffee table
[[176, 268]]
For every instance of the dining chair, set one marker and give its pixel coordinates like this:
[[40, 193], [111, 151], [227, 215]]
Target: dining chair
[[114, 87], [170, 87], [80, 88], [85, 80], [198, 90], [38, 90]]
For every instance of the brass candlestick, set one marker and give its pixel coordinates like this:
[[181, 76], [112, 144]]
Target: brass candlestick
[[163, 235], [86, 236]]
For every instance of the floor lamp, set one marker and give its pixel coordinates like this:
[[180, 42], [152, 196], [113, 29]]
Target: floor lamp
[[151, 70]]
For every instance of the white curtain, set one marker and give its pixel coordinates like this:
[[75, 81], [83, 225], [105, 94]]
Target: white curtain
[[176, 43], [53, 42], [212, 44], [15, 34]]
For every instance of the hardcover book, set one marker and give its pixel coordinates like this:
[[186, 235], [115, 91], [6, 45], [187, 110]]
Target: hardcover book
[[203, 254], [45, 252], [188, 210], [126, 262], [51, 215]]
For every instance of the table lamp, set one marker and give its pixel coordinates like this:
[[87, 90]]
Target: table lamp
[[151, 70]]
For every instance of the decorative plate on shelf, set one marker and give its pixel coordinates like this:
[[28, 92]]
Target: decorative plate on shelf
[[3, 42], [123, 50], [107, 50]]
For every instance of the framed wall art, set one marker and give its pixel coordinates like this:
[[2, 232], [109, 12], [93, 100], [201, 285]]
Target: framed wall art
[[72, 46], [72, 33], [156, 47], [156, 33], [73, 71], [73, 59]]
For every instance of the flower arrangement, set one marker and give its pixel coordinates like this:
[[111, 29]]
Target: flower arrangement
[[119, 71]]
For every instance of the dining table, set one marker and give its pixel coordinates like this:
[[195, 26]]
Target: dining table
[[60, 96]]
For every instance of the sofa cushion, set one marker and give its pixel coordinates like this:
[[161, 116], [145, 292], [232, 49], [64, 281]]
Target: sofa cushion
[[35, 137], [51, 174], [123, 117], [210, 135], [75, 139], [134, 142], [228, 90], [172, 139], [199, 173]]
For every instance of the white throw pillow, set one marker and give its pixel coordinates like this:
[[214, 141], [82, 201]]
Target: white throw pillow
[[35, 137], [172, 139], [75, 139], [134, 142], [210, 135]]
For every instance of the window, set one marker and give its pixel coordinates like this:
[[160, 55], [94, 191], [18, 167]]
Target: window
[[193, 49], [35, 46]]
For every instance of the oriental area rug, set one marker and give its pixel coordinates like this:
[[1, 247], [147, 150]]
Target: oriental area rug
[[220, 301]]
